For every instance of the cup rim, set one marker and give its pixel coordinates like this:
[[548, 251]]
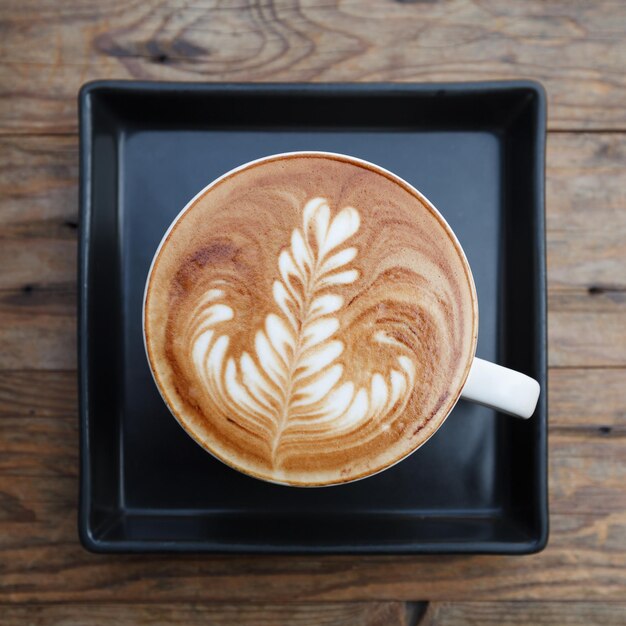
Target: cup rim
[[362, 163]]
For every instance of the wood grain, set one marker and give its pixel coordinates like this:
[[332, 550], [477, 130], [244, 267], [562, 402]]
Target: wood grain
[[586, 216], [38, 394], [38, 470], [319, 614], [587, 328], [585, 560], [573, 397], [322, 614], [38, 228], [41, 561], [587, 399], [577, 49], [38, 187], [585, 188], [44, 263], [48, 49], [526, 614], [38, 213], [587, 472], [587, 466], [38, 447], [586, 222], [38, 326]]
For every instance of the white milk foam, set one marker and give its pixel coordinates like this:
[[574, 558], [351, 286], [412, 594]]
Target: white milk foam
[[291, 374]]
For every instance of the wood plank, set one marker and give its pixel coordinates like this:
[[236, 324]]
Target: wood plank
[[326, 614], [38, 228], [38, 456], [586, 258], [573, 397], [243, 614], [586, 192], [585, 561], [38, 447], [36, 499], [38, 394], [40, 559], [38, 327], [576, 49], [587, 399], [586, 328], [44, 406], [586, 222], [585, 183], [38, 524], [587, 472], [525, 613], [586, 187], [39, 443], [46, 263], [593, 258], [586, 212], [38, 188]]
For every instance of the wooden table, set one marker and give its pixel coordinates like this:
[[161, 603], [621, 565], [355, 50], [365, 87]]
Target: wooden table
[[576, 48]]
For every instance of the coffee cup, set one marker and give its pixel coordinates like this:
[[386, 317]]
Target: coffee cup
[[311, 319]]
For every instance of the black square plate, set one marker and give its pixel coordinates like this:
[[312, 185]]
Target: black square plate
[[475, 150]]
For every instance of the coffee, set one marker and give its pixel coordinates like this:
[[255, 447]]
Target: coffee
[[310, 319]]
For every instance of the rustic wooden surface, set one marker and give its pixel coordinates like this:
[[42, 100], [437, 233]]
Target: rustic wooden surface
[[576, 48]]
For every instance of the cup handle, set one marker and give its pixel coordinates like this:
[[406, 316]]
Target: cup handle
[[501, 388]]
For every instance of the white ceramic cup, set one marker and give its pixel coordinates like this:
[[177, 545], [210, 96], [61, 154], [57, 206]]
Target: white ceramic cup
[[488, 384]]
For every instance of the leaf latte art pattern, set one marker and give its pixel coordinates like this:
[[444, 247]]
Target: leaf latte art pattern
[[291, 382], [309, 320]]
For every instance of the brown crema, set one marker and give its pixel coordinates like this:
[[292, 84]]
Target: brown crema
[[310, 319]]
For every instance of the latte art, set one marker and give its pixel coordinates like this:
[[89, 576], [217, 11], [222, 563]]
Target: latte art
[[310, 319], [290, 383]]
